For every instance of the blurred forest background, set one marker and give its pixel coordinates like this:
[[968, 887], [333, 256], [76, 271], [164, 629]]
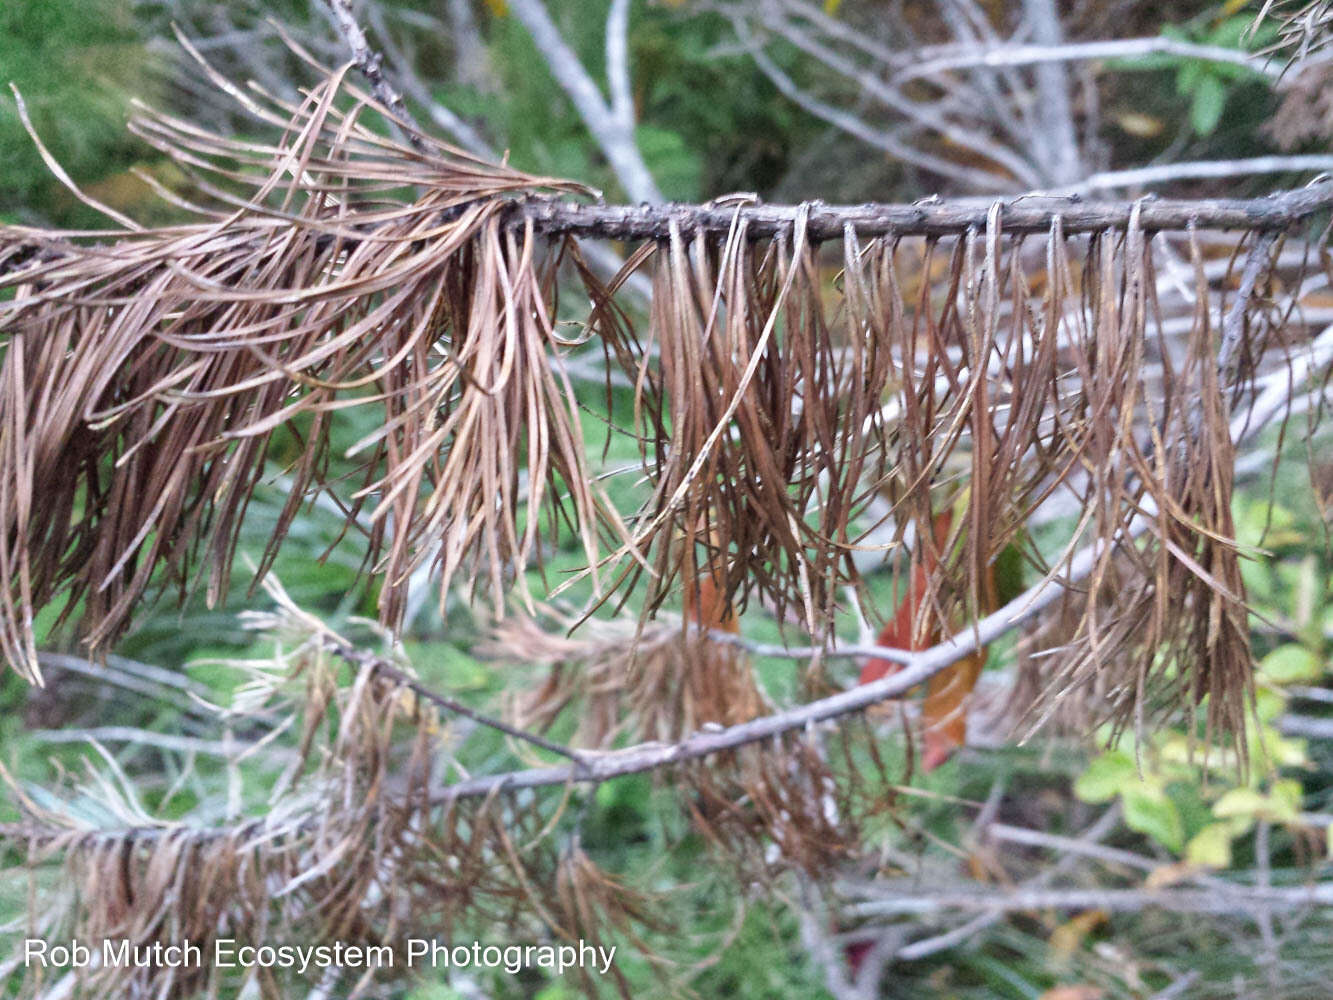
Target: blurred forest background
[[789, 100]]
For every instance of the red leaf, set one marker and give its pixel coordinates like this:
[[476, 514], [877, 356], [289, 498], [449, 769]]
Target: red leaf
[[897, 633], [944, 710]]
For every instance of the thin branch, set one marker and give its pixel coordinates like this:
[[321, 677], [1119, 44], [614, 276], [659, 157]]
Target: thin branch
[[839, 652], [601, 766], [1233, 324], [854, 126], [1120, 48], [1056, 122], [370, 63], [443, 117], [596, 767], [1198, 170], [339, 647], [937, 943], [922, 113], [617, 65], [1232, 901], [1020, 214], [146, 738]]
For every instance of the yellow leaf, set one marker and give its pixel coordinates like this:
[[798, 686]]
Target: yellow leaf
[[831, 7], [498, 7], [1239, 802], [1068, 937], [1139, 125], [1211, 846]]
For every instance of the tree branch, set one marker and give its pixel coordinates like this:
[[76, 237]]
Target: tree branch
[[1230, 901], [839, 118], [1063, 161], [382, 667], [596, 767], [1120, 48], [370, 63], [920, 112], [1022, 214], [1198, 170]]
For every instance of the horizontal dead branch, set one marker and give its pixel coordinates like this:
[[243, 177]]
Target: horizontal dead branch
[[1022, 214]]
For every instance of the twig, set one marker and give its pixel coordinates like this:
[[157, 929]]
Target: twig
[[1215, 901], [937, 943], [923, 114], [370, 63], [1071, 845], [1085, 842], [1120, 48], [1233, 324], [617, 65], [838, 652], [838, 117], [1323, 695], [1057, 118], [1305, 725], [1179, 987], [1268, 954], [334, 644], [462, 133], [1198, 170], [143, 737]]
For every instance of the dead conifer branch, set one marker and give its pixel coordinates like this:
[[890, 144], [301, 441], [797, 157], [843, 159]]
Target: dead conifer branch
[[1018, 215], [777, 412]]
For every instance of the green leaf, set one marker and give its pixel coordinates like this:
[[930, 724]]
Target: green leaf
[[1150, 812], [1210, 97], [1210, 847], [1188, 76], [1241, 802], [1291, 663], [1106, 777], [1286, 800], [1269, 702]]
